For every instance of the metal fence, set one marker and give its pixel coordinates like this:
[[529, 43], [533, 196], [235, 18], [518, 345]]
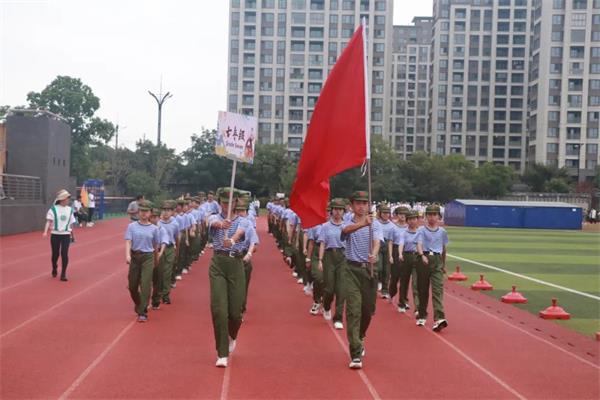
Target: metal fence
[[580, 199], [21, 187]]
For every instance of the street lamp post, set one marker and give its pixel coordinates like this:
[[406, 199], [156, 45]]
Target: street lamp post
[[160, 99]]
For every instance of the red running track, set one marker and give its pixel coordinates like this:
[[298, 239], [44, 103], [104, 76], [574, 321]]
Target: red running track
[[79, 339]]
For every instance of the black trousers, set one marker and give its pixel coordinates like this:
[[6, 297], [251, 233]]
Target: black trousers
[[90, 214], [60, 247]]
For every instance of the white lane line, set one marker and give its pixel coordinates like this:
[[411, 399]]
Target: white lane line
[[22, 324], [583, 360], [479, 367], [95, 363], [226, 381], [361, 373], [566, 289], [86, 260]]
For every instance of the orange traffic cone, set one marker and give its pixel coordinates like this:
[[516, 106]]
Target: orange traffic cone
[[554, 312], [457, 276], [481, 284], [514, 297]]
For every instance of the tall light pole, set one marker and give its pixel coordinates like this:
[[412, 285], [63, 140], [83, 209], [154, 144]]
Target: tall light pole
[[160, 99]]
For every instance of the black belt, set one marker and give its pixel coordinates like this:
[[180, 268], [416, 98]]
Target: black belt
[[171, 245], [232, 254], [431, 253], [410, 252], [357, 264], [136, 252], [335, 249]]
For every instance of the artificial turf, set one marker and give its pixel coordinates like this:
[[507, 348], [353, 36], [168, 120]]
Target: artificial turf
[[566, 258]]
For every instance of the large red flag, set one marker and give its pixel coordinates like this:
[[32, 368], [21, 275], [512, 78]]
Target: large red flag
[[336, 138]]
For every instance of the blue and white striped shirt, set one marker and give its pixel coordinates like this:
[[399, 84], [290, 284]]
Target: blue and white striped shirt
[[357, 242], [218, 235], [433, 240], [331, 235]]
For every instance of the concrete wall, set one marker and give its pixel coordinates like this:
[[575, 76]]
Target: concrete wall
[[16, 217], [39, 146]]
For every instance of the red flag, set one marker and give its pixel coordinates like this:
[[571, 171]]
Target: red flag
[[336, 139]]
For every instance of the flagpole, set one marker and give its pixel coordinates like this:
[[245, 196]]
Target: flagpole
[[367, 129], [233, 171]]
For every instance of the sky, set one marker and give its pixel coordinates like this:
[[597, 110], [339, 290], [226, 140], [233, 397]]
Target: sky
[[122, 49]]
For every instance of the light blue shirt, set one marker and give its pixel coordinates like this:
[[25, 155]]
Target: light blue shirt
[[172, 227], [330, 234], [396, 233], [433, 240], [386, 228], [181, 222], [313, 233], [143, 237], [357, 242], [250, 238], [409, 240]]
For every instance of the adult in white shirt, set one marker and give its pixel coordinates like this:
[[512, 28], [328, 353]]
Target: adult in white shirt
[[91, 208], [61, 218]]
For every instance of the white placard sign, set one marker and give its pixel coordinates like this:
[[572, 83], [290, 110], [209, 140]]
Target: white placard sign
[[236, 136]]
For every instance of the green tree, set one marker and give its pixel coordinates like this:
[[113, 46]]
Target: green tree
[[557, 185], [264, 176], [537, 176], [492, 181]]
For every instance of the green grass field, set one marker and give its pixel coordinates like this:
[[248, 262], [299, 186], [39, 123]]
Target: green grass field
[[567, 258]]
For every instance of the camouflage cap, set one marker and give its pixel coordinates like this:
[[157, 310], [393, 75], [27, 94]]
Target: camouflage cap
[[201, 194], [224, 195], [145, 205], [402, 210], [412, 214], [383, 208], [168, 205], [180, 202], [196, 199], [359, 195], [210, 192], [156, 212], [337, 203], [433, 209]]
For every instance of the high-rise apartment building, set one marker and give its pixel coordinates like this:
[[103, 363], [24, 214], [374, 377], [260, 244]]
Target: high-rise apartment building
[[478, 84], [281, 51], [564, 85], [409, 92]]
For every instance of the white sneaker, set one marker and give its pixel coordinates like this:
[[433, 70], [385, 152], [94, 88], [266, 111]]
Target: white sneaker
[[232, 344], [327, 315], [420, 322], [379, 287], [307, 290], [178, 278], [385, 297], [210, 245], [186, 271], [221, 362], [314, 310], [364, 351], [202, 252], [401, 310], [295, 274], [356, 363], [173, 285], [439, 325], [338, 325], [300, 281]]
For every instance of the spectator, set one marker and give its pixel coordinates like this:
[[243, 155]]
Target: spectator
[[91, 208], [79, 211], [133, 208]]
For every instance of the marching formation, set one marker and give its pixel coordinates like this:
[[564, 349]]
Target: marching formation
[[355, 254]]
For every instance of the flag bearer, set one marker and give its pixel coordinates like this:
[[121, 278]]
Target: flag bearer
[[409, 261], [164, 272], [227, 280], [432, 250], [395, 238], [331, 259], [141, 244], [383, 263], [359, 279]]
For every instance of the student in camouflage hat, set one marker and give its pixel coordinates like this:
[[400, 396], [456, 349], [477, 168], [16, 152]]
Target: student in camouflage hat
[[227, 278], [383, 264], [393, 243], [431, 247], [163, 273], [359, 280], [141, 248], [409, 261], [250, 246], [331, 260], [314, 268], [184, 243]]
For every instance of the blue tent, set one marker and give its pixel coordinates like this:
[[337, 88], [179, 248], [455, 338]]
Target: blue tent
[[513, 214]]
